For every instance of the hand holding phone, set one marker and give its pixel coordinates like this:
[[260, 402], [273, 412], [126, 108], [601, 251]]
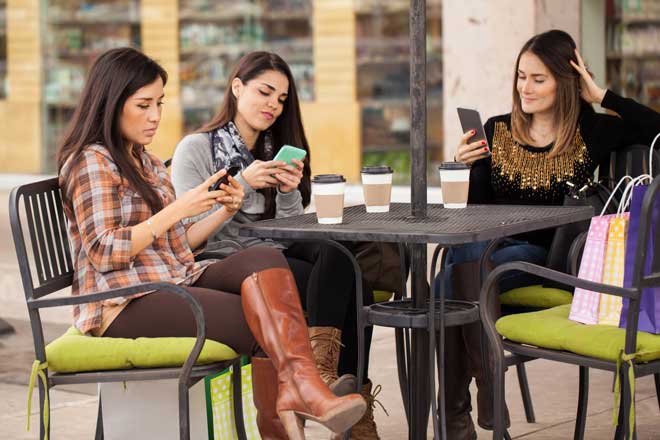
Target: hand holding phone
[[287, 153], [474, 144], [232, 171]]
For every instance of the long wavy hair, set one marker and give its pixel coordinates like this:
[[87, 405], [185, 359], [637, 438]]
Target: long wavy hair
[[287, 128], [115, 76], [554, 48]]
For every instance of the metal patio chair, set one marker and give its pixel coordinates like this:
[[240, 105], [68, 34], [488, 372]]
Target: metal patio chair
[[46, 255]]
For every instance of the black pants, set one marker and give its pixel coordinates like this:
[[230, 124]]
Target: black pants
[[326, 281]]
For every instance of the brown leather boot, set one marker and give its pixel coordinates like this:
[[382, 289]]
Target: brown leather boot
[[326, 345], [264, 388], [273, 312], [365, 429]]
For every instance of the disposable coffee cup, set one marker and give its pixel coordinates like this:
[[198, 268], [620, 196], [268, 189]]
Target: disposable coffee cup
[[455, 182], [328, 192], [377, 187]]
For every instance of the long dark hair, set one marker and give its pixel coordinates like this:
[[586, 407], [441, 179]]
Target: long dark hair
[[113, 78], [287, 129], [555, 49]]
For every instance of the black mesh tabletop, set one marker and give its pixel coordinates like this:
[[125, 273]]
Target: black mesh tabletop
[[442, 226]]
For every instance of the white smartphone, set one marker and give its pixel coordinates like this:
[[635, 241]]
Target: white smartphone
[[471, 120]]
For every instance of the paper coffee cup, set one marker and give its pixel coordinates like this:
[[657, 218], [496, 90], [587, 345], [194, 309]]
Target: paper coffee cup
[[455, 183], [328, 192], [377, 187]]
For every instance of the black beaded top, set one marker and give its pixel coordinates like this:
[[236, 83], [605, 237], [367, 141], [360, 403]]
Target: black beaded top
[[523, 174]]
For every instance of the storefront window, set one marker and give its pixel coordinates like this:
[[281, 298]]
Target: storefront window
[[3, 49], [77, 32], [383, 84], [633, 52], [215, 34]]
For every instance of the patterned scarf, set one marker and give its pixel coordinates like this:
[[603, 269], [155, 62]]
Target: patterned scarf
[[228, 148]]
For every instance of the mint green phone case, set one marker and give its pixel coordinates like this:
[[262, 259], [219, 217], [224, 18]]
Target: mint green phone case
[[287, 153]]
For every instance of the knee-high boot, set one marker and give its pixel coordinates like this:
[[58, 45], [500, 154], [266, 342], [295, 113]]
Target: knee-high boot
[[274, 314], [264, 388]]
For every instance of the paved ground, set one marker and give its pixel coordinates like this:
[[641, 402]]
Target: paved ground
[[73, 415]]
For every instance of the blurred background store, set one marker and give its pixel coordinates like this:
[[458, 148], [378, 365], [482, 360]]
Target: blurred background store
[[349, 58]]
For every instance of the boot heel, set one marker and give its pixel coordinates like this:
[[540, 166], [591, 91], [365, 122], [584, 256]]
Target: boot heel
[[293, 425]]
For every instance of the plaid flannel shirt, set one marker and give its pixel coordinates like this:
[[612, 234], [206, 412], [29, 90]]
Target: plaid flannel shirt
[[101, 209]]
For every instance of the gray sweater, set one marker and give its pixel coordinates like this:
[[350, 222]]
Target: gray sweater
[[192, 164]]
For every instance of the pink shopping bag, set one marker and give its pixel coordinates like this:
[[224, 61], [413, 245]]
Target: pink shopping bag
[[609, 311], [585, 304]]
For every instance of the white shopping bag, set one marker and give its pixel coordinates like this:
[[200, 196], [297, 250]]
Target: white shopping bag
[[150, 410]]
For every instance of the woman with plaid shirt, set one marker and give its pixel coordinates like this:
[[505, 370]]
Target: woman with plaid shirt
[[126, 228]]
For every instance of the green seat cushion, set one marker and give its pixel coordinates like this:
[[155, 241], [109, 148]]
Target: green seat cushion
[[536, 296], [74, 352], [382, 296], [552, 329]]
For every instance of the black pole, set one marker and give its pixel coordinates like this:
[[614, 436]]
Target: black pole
[[418, 375], [418, 106]]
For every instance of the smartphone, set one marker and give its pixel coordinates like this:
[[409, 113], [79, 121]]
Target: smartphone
[[470, 120], [288, 152], [232, 171]]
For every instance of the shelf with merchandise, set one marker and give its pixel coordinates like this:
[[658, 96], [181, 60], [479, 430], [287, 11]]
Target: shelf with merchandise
[[214, 35]]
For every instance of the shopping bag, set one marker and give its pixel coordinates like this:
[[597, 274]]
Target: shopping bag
[[609, 310], [649, 311], [220, 407], [585, 304]]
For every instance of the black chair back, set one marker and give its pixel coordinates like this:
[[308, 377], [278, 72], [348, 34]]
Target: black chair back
[[632, 161], [50, 256]]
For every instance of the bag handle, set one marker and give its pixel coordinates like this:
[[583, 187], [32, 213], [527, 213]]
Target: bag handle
[[609, 199], [627, 192], [651, 154]]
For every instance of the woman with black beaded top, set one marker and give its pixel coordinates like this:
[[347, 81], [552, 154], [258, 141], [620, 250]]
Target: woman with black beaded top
[[552, 137]]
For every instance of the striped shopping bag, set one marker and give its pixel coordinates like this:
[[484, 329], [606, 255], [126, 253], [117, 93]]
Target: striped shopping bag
[[220, 407], [585, 304], [609, 311]]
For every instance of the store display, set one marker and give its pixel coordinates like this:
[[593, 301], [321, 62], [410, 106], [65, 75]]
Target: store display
[[383, 84], [633, 49], [214, 35], [77, 32], [3, 50]]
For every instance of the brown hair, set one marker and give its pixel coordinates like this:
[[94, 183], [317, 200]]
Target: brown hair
[[554, 48], [287, 129], [113, 78]]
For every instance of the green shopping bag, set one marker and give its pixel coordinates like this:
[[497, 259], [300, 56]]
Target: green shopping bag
[[220, 407]]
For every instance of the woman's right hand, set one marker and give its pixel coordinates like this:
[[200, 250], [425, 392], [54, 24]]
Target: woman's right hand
[[199, 199], [472, 152], [259, 174]]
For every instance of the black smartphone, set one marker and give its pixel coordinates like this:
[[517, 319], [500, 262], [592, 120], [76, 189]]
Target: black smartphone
[[232, 171], [470, 120]]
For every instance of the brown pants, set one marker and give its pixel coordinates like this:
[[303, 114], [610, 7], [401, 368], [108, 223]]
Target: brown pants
[[163, 314]]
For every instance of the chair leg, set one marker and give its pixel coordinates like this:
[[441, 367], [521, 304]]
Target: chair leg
[[402, 343], [524, 391], [43, 432], [238, 400], [184, 414], [583, 398], [656, 378], [99, 422]]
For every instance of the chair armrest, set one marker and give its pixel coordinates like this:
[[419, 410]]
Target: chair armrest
[[488, 287], [108, 294], [485, 257]]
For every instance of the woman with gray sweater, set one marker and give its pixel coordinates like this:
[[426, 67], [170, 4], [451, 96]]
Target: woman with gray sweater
[[259, 114]]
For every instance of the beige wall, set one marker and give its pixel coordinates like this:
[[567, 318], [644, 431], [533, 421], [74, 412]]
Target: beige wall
[[481, 40], [20, 134]]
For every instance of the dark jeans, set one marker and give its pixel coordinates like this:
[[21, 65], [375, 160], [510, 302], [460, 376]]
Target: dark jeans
[[513, 250], [326, 281]]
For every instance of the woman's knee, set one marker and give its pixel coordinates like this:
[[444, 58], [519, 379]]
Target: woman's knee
[[264, 257]]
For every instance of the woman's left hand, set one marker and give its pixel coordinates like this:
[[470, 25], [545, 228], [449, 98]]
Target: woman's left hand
[[233, 201], [589, 90], [290, 176]]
